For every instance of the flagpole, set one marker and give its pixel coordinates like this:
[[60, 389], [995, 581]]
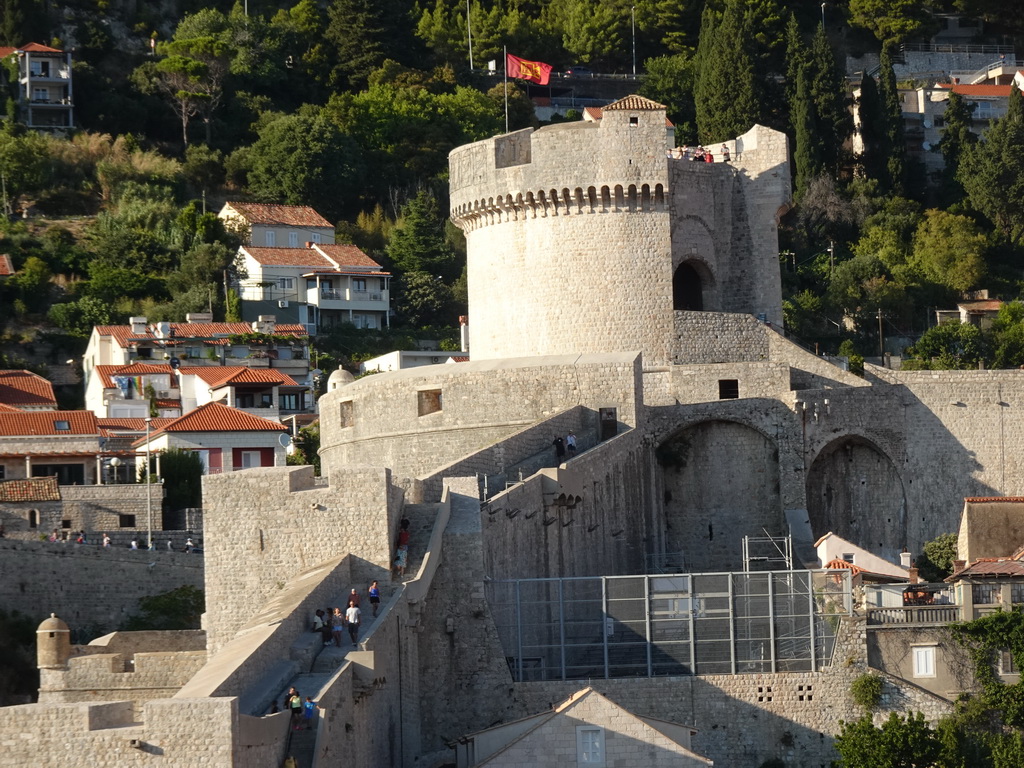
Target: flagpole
[[504, 49]]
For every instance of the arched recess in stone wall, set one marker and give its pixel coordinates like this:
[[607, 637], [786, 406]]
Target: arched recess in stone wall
[[721, 483], [692, 287], [855, 491]]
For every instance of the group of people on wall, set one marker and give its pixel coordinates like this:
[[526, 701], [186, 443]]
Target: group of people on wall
[[699, 154]]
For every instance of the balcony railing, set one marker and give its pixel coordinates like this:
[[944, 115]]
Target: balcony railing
[[917, 615], [327, 293]]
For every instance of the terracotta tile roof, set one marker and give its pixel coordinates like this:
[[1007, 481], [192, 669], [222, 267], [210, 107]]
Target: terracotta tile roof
[[986, 305], [596, 113], [4, 408], [107, 372], [990, 567], [6, 50], [24, 388], [32, 489], [6, 265], [634, 103], [39, 48], [214, 417], [285, 215], [459, 358], [346, 255], [186, 331], [120, 425], [346, 273], [224, 375], [167, 403], [980, 89], [980, 499], [28, 423], [288, 257]]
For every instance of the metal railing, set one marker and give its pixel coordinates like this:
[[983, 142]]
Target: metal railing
[[918, 615], [660, 624]]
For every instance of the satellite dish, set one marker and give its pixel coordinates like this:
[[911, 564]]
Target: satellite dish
[[285, 439], [927, 123], [926, 146], [175, 362]]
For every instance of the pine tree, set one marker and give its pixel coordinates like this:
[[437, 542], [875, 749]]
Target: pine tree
[[726, 95], [892, 122], [417, 243], [796, 56], [807, 156], [992, 171], [364, 33]]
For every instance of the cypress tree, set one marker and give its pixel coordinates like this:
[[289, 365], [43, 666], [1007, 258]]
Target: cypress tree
[[808, 153], [827, 91], [956, 138], [796, 56], [872, 132], [892, 122], [725, 95]]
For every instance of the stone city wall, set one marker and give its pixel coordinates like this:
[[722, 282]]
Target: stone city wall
[[263, 526], [481, 403], [95, 590], [94, 508]]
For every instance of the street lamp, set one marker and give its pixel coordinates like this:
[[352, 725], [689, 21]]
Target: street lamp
[[149, 488], [469, 35], [823, 17], [116, 464], [632, 24]]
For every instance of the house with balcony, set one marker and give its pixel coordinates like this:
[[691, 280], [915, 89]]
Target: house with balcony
[[45, 97], [26, 391], [225, 438], [260, 391], [198, 342], [265, 225], [136, 390], [319, 286]]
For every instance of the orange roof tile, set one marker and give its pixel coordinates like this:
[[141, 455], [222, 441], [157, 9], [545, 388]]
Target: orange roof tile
[[6, 50], [999, 91], [6, 265], [188, 331], [634, 103], [28, 423], [346, 255], [983, 305], [4, 408], [24, 388], [121, 424], [30, 489], [39, 48], [596, 113], [286, 215], [214, 417], [223, 375], [167, 403], [287, 257]]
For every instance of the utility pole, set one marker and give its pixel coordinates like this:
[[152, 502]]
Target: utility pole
[[831, 257], [469, 35], [881, 337], [632, 23], [823, 16]]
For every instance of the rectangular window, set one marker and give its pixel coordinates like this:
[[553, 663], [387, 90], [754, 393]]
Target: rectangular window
[[286, 283], [289, 402], [126, 521], [39, 68], [359, 284], [589, 745], [3, 471], [346, 415], [1006, 663], [985, 594], [429, 401], [245, 400], [315, 237], [728, 389], [1016, 590], [250, 459], [270, 238], [40, 94], [293, 239], [848, 557], [266, 400], [924, 661]]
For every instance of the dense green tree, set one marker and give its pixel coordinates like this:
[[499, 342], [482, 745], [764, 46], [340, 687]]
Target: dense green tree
[[593, 32], [31, 284], [203, 267], [950, 250], [892, 122], [307, 448], [900, 743], [669, 80], [78, 318], [304, 159], [182, 473], [725, 95], [178, 609], [950, 346], [423, 300], [807, 155], [19, 676], [827, 90], [418, 244], [1008, 336], [363, 33], [23, 163], [935, 562], [992, 171], [892, 20]]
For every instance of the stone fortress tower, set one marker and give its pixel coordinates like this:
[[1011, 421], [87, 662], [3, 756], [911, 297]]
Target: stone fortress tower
[[584, 237]]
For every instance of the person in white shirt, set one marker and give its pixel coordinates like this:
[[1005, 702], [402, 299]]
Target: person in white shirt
[[352, 619]]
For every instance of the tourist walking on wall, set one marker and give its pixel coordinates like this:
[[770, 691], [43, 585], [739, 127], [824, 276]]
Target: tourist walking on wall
[[106, 541], [352, 617], [337, 624], [570, 443], [295, 705], [559, 444], [402, 548], [374, 594], [353, 597], [308, 710]]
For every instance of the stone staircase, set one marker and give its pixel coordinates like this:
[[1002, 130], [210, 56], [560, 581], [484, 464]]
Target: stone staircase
[[421, 525]]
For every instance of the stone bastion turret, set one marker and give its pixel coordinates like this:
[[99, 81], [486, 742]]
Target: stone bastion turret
[[587, 237]]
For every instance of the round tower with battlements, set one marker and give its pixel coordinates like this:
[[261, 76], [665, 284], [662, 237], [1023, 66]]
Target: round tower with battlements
[[591, 237]]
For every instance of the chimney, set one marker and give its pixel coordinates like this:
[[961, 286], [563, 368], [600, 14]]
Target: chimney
[[958, 565], [163, 330], [309, 243], [138, 325], [199, 317], [264, 324], [905, 559], [464, 333], [913, 576]]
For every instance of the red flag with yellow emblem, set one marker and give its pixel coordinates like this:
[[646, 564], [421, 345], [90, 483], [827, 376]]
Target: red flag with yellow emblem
[[534, 71]]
